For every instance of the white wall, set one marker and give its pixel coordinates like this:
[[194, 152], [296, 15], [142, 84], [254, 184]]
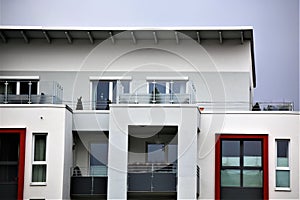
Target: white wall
[[55, 121], [123, 115], [188, 55], [278, 125]]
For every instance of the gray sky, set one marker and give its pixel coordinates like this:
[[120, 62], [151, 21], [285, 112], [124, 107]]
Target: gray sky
[[275, 22]]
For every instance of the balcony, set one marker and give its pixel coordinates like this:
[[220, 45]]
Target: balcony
[[152, 180], [50, 92], [133, 99], [88, 183]]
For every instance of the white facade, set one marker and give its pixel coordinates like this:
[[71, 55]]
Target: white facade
[[127, 92], [56, 122]]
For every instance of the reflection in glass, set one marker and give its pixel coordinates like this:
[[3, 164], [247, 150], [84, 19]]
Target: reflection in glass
[[230, 178], [282, 153], [253, 161], [282, 178], [230, 153], [252, 178], [252, 153], [98, 159]]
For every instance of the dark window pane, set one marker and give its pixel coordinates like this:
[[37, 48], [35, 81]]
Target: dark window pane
[[230, 148], [230, 153], [24, 87], [2, 87], [9, 172], [253, 153], [40, 148], [102, 98], [9, 145], [159, 85], [252, 148], [282, 153], [282, 148], [39, 173], [11, 87]]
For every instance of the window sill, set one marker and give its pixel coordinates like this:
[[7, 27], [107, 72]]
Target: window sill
[[283, 189], [38, 184]]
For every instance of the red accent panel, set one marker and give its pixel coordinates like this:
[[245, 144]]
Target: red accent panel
[[218, 161], [22, 133], [218, 168]]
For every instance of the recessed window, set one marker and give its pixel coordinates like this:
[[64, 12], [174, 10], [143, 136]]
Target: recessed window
[[39, 165], [105, 92], [167, 87], [282, 164], [19, 87]]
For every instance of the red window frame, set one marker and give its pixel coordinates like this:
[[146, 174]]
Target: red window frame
[[22, 133], [264, 138]]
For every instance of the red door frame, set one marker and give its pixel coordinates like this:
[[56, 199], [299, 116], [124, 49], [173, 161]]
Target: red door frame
[[22, 133], [264, 138]]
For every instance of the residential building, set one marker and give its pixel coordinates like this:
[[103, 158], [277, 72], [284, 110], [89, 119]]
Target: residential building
[[140, 113]]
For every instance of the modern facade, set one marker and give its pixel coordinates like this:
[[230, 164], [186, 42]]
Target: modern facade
[[140, 113]]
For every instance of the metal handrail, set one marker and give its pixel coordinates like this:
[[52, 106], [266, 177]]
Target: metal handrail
[[152, 168]]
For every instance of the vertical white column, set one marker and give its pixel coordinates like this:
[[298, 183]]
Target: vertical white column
[[117, 157], [187, 158]]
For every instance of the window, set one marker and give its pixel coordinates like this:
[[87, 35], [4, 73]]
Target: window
[[98, 159], [18, 87], [105, 92], [39, 165], [167, 91], [167, 87], [282, 164], [241, 166]]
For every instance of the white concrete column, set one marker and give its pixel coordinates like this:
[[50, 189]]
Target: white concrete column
[[187, 159], [117, 158]]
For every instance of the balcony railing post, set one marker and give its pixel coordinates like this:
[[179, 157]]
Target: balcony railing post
[[5, 92], [29, 92], [152, 177], [92, 188]]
